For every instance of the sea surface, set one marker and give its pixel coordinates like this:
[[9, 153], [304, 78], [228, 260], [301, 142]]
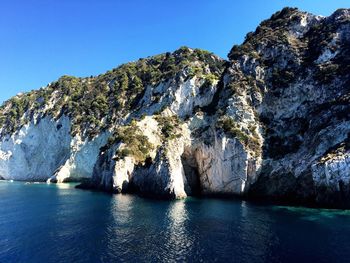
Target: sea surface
[[57, 223]]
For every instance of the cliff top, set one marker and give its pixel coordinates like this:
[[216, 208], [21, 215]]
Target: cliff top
[[94, 103]]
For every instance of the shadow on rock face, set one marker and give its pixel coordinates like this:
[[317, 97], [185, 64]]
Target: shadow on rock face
[[192, 181]]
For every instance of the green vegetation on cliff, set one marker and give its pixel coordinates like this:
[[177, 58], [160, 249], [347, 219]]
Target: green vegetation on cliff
[[249, 138], [169, 126], [135, 144], [94, 103]]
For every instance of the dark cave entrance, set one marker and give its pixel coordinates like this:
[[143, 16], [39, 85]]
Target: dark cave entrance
[[193, 185]]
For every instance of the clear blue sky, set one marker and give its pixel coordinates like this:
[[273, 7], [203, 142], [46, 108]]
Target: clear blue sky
[[42, 40]]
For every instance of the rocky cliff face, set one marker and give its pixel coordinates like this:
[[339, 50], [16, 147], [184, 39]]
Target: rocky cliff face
[[271, 122], [298, 67]]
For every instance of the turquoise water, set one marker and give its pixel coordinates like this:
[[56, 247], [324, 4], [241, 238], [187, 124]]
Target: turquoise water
[[57, 223]]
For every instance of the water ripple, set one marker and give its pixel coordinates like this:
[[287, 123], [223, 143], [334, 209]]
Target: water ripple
[[56, 223]]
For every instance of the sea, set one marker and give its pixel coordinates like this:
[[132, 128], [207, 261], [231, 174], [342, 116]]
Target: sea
[[58, 223]]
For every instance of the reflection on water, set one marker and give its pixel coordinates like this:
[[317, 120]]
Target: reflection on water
[[121, 207], [64, 185], [57, 223], [178, 240]]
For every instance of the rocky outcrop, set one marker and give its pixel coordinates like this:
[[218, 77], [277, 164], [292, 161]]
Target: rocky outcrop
[[55, 134], [303, 110], [271, 122], [224, 167], [163, 178], [82, 158], [45, 147], [36, 150]]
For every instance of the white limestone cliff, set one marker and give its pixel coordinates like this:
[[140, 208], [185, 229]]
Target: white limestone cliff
[[271, 122], [45, 150]]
